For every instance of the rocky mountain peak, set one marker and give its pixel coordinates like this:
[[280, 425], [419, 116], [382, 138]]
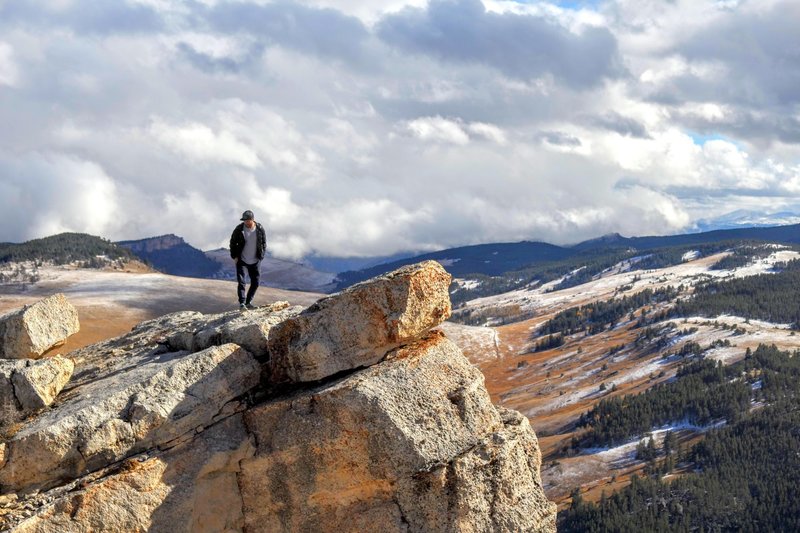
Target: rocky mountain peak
[[350, 415], [152, 244]]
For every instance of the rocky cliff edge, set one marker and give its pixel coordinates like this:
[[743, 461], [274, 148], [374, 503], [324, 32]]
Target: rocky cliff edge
[[352, 415]]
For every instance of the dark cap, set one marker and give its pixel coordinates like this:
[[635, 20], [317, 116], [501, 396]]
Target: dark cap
[[248, 215]]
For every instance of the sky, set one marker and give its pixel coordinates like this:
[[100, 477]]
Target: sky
[[370, 127]]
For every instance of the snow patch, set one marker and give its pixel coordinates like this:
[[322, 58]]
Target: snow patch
[[467, 284]]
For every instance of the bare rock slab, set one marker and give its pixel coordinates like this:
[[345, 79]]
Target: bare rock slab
[[31, 331], [191, 488], [125, 413], [250, 330], [358, 326], [410, 444]]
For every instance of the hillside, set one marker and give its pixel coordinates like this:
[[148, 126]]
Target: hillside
[[568, 355], [488, 259], [565, 351], [170, 254], [483, 270], [66, 248]]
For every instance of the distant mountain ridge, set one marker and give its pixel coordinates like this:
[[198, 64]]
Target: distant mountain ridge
[[489, 259], [344, 264], [500, 258], [172, 255], [743, 218], [275, 272]]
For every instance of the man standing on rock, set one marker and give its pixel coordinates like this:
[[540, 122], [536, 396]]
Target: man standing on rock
[[248, 245]]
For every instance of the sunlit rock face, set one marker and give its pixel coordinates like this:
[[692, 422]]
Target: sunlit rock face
[[29, 332]]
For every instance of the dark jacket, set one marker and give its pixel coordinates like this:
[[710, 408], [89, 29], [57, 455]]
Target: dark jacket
[[237, 241]]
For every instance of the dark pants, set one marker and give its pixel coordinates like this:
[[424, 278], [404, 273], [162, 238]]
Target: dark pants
[[254, 273]]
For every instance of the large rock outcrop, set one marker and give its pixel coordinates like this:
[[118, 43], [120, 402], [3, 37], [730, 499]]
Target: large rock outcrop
[[34, 329], [356, 328], [208, 423], [411, 444]]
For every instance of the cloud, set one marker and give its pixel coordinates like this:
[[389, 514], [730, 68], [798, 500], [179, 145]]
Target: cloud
[[438, 129], [758, 48], [488, 131], [200, 143], [319, 31], [8, 68], [623, 125], [52, 193], [366, 128], [519, 45], [86, 16], [721, 55]]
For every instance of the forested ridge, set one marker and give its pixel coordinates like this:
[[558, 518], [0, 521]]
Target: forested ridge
[[742, 255], [703, 391], [741, 477], [769, 297], [588, 264], [597, 316], [63, 249]]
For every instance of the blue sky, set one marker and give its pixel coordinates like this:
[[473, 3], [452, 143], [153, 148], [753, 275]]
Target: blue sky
[[576, 4], [369, 127], [702, 138]]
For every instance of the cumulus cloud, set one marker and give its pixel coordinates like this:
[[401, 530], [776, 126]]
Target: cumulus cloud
[[8, 68], [52, 193], [438, 129], [519, 45], [368, 128], [201, 143]]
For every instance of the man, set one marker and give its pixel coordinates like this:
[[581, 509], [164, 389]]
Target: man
[[248, 245]]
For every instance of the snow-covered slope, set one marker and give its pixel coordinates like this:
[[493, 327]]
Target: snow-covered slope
[[620, 280]]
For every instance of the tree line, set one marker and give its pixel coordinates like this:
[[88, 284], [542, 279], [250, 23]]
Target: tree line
[[703, 391], [63, 249], [598, 316], [769, 297]]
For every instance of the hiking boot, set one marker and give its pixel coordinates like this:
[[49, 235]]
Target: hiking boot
[[242, 307], [250, 306]]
